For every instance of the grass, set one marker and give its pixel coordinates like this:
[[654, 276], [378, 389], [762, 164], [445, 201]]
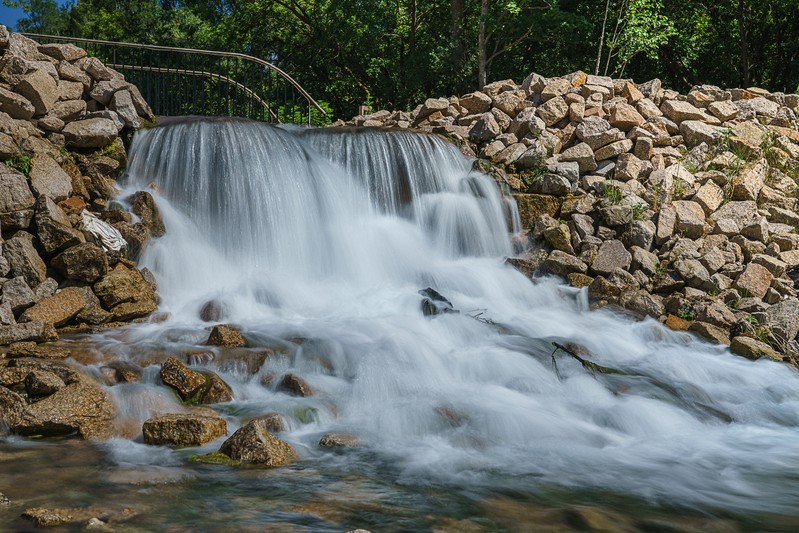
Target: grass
[[687, 312], [21, 163], [612, 193], [638, 212]]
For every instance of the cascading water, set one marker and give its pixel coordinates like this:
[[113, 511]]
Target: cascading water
[[317, 243]]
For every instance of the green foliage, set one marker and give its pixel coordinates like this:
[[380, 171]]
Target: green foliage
[[638, 212], [21, 163], [687, 312], [612, 193], [395, 54]]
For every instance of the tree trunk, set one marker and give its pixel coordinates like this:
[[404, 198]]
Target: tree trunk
[[744, 13], [601, 39], [481, 45], [412, 37]]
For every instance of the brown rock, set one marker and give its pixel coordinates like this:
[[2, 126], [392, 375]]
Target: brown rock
[[338, 440], [23, 258], [225, 335], [143, 205], [185, 381], [85, 262], [62, 307], [710, 332], [79, 407], [36, 331], [53, 227], [755, 280], [611, 255], [295, 385], [42, 383], [182, 430], [625, 117], [676, 323], [753, 348], [216, 390], [252, 443], [690, 218]]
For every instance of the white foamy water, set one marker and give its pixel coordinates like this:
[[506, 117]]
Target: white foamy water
[[327, 236]]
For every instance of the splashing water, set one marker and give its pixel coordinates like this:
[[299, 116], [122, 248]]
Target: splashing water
[[318, 242]]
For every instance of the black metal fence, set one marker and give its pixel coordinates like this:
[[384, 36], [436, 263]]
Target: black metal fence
[[182, 81]]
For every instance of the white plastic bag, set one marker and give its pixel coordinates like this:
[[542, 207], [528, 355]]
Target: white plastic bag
[[102, 233]]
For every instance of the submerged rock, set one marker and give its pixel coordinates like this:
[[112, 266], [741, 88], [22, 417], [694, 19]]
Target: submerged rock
[[338, 440], [252, 443], [225, 335], [434, 303], [295, 386]]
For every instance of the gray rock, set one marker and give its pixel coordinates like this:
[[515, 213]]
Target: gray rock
[[640, 233], [551, 184], [97, 70], [710, 196], [40, 89], [582, 155], [611, 256], [739, 212], [6, 315], [15, 105], [253, 443], [643, 260], [69, 110], [29, 331], [17, 295], [53, 227], [62, 52], [613, 149], [694, 273], [23, 258], [91, 133], [696, 132], [747, 184], [642, 303], [562, 264], [16, 197], [783, 319], [485, 129], [49, 179], [68, 71], [690, 218], [553, 111], [476, 102], [680, 111]]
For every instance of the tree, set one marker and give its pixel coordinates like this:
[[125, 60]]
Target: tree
[[41, 16]]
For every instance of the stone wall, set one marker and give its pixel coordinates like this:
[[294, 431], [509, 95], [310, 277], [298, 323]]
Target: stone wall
[[679, 207], [66, 249]]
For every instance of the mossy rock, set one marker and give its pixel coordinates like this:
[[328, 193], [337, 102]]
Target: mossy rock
[[214, 458]]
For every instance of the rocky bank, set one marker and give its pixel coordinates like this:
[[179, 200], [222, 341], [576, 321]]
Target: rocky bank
[[67, 247], [680, 207]]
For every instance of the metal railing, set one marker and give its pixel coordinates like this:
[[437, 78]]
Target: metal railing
[[183, 81]]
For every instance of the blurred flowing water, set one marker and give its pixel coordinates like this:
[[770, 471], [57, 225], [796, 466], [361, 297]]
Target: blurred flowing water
[[316, 243]]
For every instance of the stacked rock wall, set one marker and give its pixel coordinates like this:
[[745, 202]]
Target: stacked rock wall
[[679, 207], [62, 119]]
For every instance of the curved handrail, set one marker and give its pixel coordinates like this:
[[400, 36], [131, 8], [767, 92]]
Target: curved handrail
[[214, 53]]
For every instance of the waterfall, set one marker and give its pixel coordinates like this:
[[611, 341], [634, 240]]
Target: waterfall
[[318, 241]]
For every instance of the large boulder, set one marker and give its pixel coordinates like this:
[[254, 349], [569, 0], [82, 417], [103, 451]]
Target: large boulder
[[36, 331], [79, 407], [185, 381], [90, 133], [15, 105], [23, 258], [253, 443], [48, 178], [62, 52], [62, 307], [53, 227], [16, 200], [143, 205], [85, 262], [40, 89], [182, 430]]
